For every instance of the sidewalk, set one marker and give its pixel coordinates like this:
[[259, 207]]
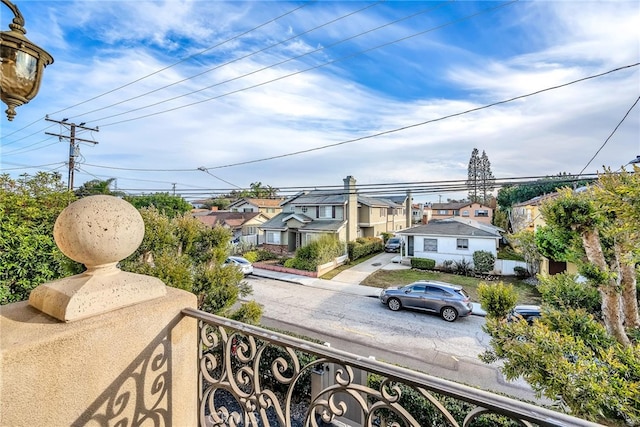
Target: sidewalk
[[348, 281]]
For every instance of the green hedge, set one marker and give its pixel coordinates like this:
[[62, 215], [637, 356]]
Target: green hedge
[[364, 246], [423, 263]]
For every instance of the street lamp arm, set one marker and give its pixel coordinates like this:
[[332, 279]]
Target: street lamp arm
[[18, 20]]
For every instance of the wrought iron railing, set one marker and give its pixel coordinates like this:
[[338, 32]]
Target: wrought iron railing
[[250, 376]]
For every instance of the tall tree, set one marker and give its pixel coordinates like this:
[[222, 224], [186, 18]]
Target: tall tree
[[473, 175], [487, 181]]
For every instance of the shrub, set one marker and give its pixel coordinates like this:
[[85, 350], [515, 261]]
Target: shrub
[[521, 272], [364, 246], [483, 261], [463, 267], [447, 266], [320, 251], [251, 256], [264, 255], [423, 263], [427, 414], [507, 253], [497, 299], [562, 291]]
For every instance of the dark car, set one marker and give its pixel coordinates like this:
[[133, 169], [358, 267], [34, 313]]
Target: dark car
[[393, 245], [447, 300], [526, 312]]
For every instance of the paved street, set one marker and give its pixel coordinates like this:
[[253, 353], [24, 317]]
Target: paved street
[[351, 318]]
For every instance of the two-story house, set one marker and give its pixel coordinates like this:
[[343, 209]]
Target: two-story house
[[268, 207], [343, 213], [243, 225], [527, 216], [475, 211]]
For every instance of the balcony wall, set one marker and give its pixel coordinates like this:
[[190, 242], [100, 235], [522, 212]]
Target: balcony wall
[[136, 365]]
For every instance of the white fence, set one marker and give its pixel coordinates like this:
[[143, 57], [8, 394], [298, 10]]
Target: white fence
[[505, 267]]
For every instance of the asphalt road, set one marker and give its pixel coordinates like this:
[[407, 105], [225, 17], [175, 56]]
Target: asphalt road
[[361, 325]]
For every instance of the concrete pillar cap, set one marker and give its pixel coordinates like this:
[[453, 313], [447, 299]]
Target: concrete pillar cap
[[98, 231]]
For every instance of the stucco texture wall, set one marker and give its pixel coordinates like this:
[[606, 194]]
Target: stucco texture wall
[[136, 365]]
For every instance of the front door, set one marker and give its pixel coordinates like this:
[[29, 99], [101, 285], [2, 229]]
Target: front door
[[409, 245]]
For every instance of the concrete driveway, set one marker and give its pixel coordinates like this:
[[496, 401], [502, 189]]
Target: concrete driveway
[[356, 274]]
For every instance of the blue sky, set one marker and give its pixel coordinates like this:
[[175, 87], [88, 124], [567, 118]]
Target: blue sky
[[178, 85]]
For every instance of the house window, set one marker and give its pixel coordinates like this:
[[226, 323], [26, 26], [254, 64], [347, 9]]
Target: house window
[[247, 210], [326, 212], [462, 244], [383, 211], [431, 245], [304, 209], [250, 231], [443, 212], [271, 210], [273, 237], [465, 213], [482, 212]]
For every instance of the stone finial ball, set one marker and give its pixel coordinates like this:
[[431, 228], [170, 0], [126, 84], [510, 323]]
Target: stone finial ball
[[99, 230]]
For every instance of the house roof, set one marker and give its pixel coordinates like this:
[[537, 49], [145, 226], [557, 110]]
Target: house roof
[[261, 203], [447, 227], [279, 222], [453, 206], [320, 197], [232, 220]]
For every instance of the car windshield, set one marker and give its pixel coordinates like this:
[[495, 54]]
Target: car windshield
[[392, 241], [241, 261]]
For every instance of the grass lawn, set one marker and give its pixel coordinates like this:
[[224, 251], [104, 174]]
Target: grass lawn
[[527, 294]]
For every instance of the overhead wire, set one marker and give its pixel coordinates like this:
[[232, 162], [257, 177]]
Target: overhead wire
[[225, 64], [159, 71], [402, 128], [611, 134], [352, 55]]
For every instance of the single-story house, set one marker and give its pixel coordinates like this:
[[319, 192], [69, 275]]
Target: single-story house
[[452, 239]]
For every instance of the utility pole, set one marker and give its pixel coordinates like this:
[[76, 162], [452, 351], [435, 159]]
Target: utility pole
[[74, 146]]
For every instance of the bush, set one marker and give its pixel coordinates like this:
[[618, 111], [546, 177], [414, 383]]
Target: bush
[[497, 299], [264, 255], [507, 253], [427, 414], [447, 266], [483, 261], [562, 291], [463, 267], [320, 251], [423, 263], [251, 256], [364, 246], [521, 272], [386, 236]]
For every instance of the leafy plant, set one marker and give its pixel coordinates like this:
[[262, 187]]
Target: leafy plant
[[497, 299], [423, 263], [463, 267], [483, 261], [521, 272]]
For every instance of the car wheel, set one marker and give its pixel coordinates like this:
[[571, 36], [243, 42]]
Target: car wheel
[[394, 304], [449, 314]]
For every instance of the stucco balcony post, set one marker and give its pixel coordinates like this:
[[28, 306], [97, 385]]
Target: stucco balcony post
[[104, 346]]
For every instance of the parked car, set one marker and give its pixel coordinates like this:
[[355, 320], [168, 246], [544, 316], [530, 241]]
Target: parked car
[[243, 264], [393, 245], [447, 300], [526, 312]]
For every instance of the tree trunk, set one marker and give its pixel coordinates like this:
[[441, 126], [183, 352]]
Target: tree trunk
[[611, 311], [629, 292]]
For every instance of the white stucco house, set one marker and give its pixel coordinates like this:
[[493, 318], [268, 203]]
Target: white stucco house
[[450, 239]]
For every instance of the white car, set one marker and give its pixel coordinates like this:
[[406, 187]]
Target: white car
[[243, 264]]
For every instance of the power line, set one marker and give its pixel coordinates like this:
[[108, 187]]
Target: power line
[[472, 110], [610, 135], [187, 58], [225, 64], [352, 55], [74, 146]]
